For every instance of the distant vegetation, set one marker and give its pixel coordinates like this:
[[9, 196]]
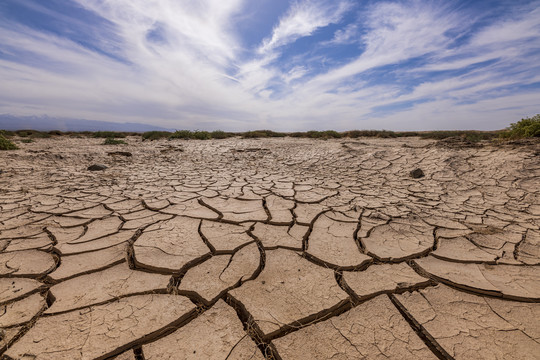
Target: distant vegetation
[[261, 134], [5, 144], [155, 135], [528, 127], [187, 134]]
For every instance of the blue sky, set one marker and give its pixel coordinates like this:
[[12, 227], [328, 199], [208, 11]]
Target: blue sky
[[276, 64]]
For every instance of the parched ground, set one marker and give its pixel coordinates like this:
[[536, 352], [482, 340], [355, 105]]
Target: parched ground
[[278, 249]]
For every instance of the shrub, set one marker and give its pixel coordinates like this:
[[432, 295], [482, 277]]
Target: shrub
[[470, 135], [181, 134], [525, 128], [254, 134], [297, 134], [219, 134], [188, 134], [322, 134], [7, 133], [200, 135], [361, 133], [108, 134], [112, 141], [27, 141], [5, 144], [32, 134], [155, 135], [262, 134]]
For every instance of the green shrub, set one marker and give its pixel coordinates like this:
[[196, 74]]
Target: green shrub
[[181, 134], [219, 134], [297, 134], [322, 134], [361, 133], [525, 128], [470, 135], [27, 141], [155, 135], [262, 134], [7, 133], [32, 134], [385, 134], [201, 135], [112, 141], [108, 134], [23, 133], [5, 144], [188, 134], [254, 134]]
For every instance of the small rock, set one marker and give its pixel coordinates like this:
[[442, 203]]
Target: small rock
[[417, 173], [97, 167]]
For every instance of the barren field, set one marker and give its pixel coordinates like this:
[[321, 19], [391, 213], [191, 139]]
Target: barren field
[[273, 248]]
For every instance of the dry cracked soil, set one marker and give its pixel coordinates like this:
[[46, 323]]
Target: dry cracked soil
[[269, 249]]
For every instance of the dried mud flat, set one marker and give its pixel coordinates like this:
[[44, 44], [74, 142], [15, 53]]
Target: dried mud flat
[[276, 248]]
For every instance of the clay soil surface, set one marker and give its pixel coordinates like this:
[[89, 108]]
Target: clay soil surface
[[269, 249]]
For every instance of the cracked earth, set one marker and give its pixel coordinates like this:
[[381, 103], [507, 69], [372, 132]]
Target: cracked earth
[[269, 249]]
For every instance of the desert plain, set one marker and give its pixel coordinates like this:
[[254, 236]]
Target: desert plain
[[282, 248]]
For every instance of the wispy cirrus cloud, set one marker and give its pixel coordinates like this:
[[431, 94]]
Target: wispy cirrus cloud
[[324, 64], [303, 19]]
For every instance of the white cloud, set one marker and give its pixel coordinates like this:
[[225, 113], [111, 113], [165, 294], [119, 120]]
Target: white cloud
[[347, 35], [302, 20]]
